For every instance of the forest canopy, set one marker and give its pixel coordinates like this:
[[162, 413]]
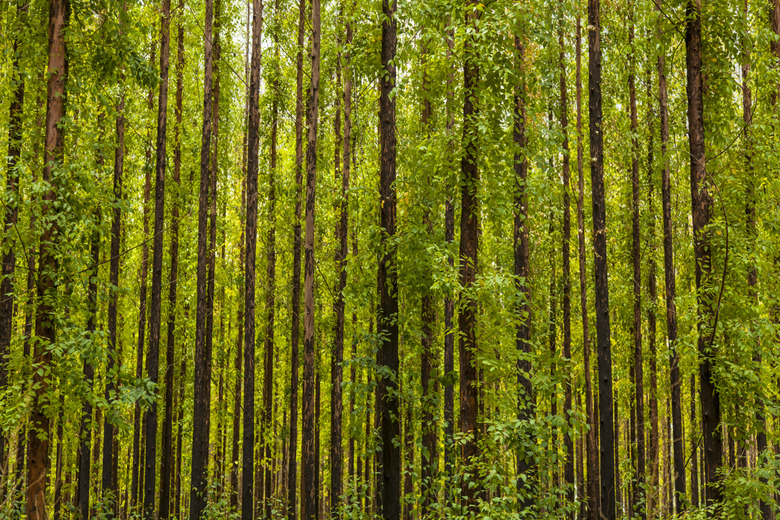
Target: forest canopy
[[361, 259]]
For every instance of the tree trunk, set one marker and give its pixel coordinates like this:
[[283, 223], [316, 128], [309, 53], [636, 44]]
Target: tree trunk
[[592, 451], [202, 375], [7, 289], [166, 463], [469, 240], [701, 202], [89, 373], [608, 509], [449, 303], [180, 418], [387, 280], [152, 358], [526, 405], [38, 445], [250, 234], [671, 292], [269, 440], [568, 440], [309, 487], [429, 459], [292, 489], [341, 152], [652, 297], [639, 431]]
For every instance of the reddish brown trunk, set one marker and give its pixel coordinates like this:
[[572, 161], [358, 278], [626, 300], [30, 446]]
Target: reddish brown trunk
[[701, 202], [469, 240], [38, 445]]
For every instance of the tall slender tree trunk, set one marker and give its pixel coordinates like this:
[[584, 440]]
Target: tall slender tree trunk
[[138, 466], [292, 488], [701, 202], [152, 359], [449, 302], [7, 290], [166, 463], [387, 279], [38, 443], [639, 431], [89, 374], [429, 458], [250, 234], [526, 405], [202, 375], [671, 291], [608, 508], [652, 298], [341, 153], [568, 439], [594, 505], [269, 440], [469, 243], [309, 487], [180, 435]]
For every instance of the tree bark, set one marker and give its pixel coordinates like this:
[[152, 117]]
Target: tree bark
[[166, 463], [292, 489], [671, 291], [152, 358], [7, 289], [309, 476], [701, 210], [269, 440], [469, 243], [639, 431], [387, 279], [341, 152], [594, 505], [608, 508], [250, 234], [429, 458], [568, 440], [45, 330], [202, 375]]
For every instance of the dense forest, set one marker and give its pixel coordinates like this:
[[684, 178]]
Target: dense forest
[[374, 259]]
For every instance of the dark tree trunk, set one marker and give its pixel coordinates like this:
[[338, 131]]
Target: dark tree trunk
[[608, 509], [701, 202], [408, 447], [469, 240], [7, 291], [309, 455], [639, 430], [269, 440], [166, 463], [341, 152], [526, 405], [89, 373], [38, 445], [250, 234], [429, 458], [694, 456], [671, 292], [387, 280], [292, 488], [152, 358], [449, 302], [568, 440], [180, 418], [109, 477], [652, 297], [594, 505], [202, 375]]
